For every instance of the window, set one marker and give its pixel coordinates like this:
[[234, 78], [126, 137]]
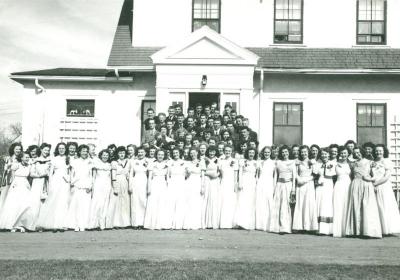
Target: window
[[80, 108], [288, 123], [177, 103], [371, 123], [206, 12], [371, 22], [288, 27]]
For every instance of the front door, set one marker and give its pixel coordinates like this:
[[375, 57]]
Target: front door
[[203, 98]]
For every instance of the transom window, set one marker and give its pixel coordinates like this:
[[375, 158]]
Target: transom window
[[371, 123], [288, 21], [206, 12], [80, 107], [371, 22], [288, 123]]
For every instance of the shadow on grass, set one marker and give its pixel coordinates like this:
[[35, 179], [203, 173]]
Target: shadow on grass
[[115, 269]]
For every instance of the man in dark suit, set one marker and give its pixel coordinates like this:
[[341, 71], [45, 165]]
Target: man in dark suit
[[150, 116], [217, 129], [150, 135], [245, 135]]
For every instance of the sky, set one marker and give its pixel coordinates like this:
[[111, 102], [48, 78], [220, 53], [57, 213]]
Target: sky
[[42, 34]]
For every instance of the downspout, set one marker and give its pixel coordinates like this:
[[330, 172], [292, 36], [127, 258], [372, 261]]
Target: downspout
[[41, 89], [259, 99], [39, 86], [116, 73]]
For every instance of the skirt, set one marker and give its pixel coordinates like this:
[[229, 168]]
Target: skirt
[[212, 203], [281, 218], [245, 216], [155, 217], [79, 208], [341, 195], [228, 202], [388, 209], [324, 204], [264, 203], [194, 203], [138, 199], [100, 200], [122, 212], [305, 211], [176, 203]]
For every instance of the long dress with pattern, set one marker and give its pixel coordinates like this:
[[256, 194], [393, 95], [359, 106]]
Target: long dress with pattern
[[305, 211], [176, 200], [341, 196], [40, 172], [120, 199], [55, 208], [138, 187], [194, 199], [228, 167], [387, 205], [245, 216], [324, 197], [281, 219], [363, 214], [156, 217], [265, 194], [102, 190], [79, 208], [17, 203], [213, 199]]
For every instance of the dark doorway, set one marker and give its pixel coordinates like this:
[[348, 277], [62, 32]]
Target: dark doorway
[[204, 98]]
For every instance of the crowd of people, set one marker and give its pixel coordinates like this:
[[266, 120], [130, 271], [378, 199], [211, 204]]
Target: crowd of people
[[202, 171]]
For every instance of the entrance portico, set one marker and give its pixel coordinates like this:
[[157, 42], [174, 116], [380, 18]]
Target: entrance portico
[[205, 63]]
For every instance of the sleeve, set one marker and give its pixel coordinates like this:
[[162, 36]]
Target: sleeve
[[235, 165], [114, 165], [388, 164]]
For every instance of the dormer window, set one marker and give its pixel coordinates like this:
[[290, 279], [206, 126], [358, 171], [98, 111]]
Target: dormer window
[[206, 12], [371, 22], [288, 27]]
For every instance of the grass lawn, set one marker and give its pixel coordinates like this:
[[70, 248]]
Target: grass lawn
[[119, 269]]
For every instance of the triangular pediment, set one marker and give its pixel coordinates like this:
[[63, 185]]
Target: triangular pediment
[[205, 46]]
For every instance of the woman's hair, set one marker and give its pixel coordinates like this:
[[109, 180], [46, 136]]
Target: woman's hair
[[281, 149], [212, 148], [317, 147], [357, 147], [385, 150], [140, 148], [131, 145], [302, 147], [194, 149], [342, 148], [105, 151], [222, 133], [350, 142], [12, 148], [120, 149], [81, 147], [368, 144], [176, 149], [161, 150], [45, 145], [31, 148], [111, 146], [246, 153], [56, 152], [69, 144], [263, 151]]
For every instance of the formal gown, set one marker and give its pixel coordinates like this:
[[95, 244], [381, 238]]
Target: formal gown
[[305, 211], [213, 199], [281, 219], [79, 208], [176, 198], [265, 194], [55, 208], [387, 205], [16, 206], [9, 161], [245, 216], [102, 190], [194, 198], [324, 197], [40, 172], [228, 167], [138, 188], [156, 217], [363, 214], [120, 198], [341, 195]]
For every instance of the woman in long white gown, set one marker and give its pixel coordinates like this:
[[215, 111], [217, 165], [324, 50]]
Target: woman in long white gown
[[194, 191], [229, 168], [285, 176], [341, 193], [40, 172], [387, 205], [55, 208], [324, 193], [213, 185], [120, 199], [305, 211], [102, 190], [15, 153], [16, 206], [363, 214], [156, 217], [138, 187], [265, 190], [245, 215], [176, 199], [82, 185]]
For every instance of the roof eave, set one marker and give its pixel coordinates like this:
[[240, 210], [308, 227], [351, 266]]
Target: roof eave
[[327, 71], [20, 78]]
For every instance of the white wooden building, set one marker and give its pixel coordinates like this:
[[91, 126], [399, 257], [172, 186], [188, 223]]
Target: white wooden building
[[302, 71]]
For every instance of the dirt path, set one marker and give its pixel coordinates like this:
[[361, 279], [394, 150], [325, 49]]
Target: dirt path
[[222, 245]]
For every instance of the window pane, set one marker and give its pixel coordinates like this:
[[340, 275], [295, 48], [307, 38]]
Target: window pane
[[371, 134], [378, 115], [288, 135], [378, 15], [281, 14], [280, 115], [213, 24], [294, 116], [295, 27], [295, 4], [295, 14], [197, 24], [364, 28], [80, 108], [376, 39], [282, 4], [281, 27], [377, 28]]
